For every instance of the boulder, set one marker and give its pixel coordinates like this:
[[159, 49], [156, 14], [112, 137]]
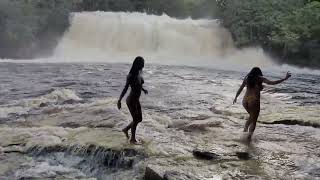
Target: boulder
[[205, 155], [155, 172], [243, 155]]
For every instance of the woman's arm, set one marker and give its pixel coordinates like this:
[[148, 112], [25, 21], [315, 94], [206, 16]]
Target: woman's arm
[[267, 81], [240, 90], [124, 91], [144, 90]]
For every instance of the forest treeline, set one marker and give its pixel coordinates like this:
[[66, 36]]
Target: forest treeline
[[287, 29], [31, 28]]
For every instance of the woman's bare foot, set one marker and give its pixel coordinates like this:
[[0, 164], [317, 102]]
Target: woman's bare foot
[[126, 133], [135, 142]]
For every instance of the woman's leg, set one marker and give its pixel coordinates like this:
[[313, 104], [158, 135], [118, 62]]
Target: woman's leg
[[132, 112], [254, 114], [246, 107], [126, 129], [136, 120]]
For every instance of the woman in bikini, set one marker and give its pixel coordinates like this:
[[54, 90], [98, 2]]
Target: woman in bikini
[[135, 81], [251, 100]]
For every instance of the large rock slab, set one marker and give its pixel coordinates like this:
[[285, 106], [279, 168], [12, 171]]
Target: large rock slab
[[154, 172]]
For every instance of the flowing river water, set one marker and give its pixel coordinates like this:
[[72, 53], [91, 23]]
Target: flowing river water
[[59, 120]]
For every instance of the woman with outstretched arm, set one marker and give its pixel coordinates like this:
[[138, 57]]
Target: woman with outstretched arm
[[251, 100]]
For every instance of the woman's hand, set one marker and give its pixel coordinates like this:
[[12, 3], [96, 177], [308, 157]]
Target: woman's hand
[[288, 75], [235, 100], [145, 91], [119, 104]]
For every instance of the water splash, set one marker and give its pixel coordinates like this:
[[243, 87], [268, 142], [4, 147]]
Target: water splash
[[95, 155]]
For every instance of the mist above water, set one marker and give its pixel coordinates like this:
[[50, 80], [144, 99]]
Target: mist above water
[[119, 37]]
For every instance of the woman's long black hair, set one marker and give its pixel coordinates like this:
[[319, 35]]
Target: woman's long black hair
[[137, 65], [253, 76]]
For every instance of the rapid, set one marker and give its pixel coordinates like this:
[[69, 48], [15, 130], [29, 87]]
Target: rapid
[[59, 120]]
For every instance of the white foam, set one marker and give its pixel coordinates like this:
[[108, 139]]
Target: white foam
[[25, 105], [45, 170], [119, 37]]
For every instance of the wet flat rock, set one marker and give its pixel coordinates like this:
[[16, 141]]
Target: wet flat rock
[[64, 153], [154, 172], [24, 139]]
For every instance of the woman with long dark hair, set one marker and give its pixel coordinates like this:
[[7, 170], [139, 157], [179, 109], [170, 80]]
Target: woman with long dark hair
[[135, 81], [251, 100]]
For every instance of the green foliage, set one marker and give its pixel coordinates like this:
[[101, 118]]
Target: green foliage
[[174, 8], [24, 24], [283, 26]]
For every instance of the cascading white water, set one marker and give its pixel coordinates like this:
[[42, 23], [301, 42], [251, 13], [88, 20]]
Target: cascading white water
[[109, 36]]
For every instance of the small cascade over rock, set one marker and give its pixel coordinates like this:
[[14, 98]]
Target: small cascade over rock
[[92, 154]]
